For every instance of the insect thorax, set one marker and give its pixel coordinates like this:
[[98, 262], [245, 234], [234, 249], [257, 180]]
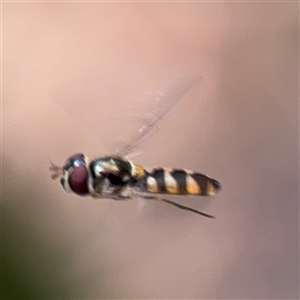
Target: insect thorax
[[112, 177]]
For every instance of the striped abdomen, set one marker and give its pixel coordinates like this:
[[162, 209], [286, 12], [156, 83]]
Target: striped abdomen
[[179, 182]]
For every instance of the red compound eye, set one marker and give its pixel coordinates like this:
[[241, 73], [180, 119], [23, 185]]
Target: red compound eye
[[78, 180]]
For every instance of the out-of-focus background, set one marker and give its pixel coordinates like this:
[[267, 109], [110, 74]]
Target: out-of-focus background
[[67, 67]]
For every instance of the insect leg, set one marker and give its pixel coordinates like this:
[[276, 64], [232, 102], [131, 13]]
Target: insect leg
[[183, 207]]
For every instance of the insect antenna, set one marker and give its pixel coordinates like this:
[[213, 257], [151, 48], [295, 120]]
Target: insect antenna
[[56, 171]]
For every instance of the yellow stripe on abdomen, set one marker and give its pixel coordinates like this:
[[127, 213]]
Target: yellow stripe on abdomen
[[171, 184], [138, 172], [192, 186], [211, 190], [152, 186]]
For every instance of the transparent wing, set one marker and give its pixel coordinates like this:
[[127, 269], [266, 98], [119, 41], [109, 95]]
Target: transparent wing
[[123, 122], [126, 134]]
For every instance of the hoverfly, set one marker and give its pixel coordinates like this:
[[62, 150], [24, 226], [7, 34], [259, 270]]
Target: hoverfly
[[116, 177]]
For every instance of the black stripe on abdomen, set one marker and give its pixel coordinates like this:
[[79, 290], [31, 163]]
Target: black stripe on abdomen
[[159, 176], [202, 181], [180, 178]]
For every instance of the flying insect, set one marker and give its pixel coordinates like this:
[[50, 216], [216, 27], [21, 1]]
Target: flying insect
[[116, 177]]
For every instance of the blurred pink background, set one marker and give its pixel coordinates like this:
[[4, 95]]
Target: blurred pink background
[[67, 65]]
